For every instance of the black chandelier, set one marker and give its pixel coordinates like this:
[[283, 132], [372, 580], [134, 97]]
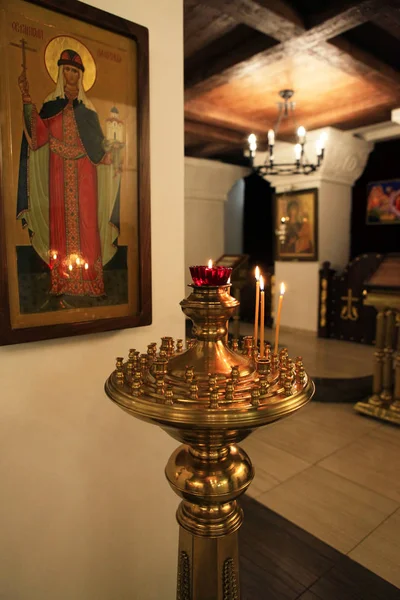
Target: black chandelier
[[300, 164]]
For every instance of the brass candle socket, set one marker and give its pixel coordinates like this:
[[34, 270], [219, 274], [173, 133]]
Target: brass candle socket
[[209, 397]]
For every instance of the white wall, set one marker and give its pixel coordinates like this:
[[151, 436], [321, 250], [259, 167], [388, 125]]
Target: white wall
[[334, 223], [234, 209], [207, 184], [86, 513]]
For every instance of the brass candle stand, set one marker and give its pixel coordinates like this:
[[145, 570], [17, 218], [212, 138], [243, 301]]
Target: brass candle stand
[[209, 397]]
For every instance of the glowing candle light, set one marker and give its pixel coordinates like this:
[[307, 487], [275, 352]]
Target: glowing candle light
[[271, 137], [86, 266], [262, 316], [257, 307], [78, 261], [70, 267], [278, 317], [55, 256], [210, 275], [301, 134]]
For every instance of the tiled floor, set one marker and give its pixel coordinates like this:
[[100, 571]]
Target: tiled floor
[[331, 471], [322, 357]]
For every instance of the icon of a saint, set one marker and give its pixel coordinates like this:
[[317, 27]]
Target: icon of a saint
[[67, 193]]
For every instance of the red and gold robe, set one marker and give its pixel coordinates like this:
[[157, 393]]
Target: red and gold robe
[[74, 140]]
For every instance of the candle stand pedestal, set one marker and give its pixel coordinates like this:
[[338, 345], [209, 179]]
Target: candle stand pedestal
[[209, 397]]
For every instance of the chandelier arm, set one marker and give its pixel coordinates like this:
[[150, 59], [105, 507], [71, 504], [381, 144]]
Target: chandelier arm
[[279, 119]]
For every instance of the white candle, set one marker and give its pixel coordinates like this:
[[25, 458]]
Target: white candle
[[278, 317], [257, 306], [262, 320], [301, 134], [271, 137], [252, 144]]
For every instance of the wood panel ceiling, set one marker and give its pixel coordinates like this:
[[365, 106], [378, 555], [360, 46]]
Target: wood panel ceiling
[[341, 58]]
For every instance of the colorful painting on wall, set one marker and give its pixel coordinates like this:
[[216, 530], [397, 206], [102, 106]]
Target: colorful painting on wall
[[75, 181], [383, 202], [296, 225]]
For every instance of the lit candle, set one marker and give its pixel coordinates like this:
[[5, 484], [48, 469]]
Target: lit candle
[[252, 144], [271, 137], [297, 151], [70, 267], [55, 256], [301, 134], [86, 266], [257, 306], [262, 320], [278, 317], [78, 261]]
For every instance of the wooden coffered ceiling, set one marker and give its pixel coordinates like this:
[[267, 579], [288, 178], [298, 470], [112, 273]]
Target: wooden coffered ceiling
[[341, 58]]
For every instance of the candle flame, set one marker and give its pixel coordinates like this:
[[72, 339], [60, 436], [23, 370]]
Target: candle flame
[[86, 266], [283, 288], [70, 267], [261, 283], [78, 261], [258, 273], [210, 264], [55, 256]]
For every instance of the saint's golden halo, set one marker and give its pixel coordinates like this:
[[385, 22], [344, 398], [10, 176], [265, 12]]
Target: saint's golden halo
[[64, 42]]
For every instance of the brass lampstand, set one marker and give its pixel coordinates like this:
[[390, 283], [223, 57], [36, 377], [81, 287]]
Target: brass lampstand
[[209, 397]]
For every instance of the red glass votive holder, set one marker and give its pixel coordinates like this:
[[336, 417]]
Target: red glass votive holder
[[202, 275]]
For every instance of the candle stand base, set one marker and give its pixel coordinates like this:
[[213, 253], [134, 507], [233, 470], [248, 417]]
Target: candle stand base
[[385, 412], [209, 397]]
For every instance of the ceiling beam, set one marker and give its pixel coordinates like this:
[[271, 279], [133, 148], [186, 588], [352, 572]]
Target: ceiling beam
[[326, 26], [211, 133], [339, 19], [228, 51], [207, 149], [277, 19], [388, 19], [340, 53], [203, 26]]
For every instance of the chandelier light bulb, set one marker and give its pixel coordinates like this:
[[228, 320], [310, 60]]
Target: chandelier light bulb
[[252, 139], [271, 137], [297, 151], [301, 134]]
